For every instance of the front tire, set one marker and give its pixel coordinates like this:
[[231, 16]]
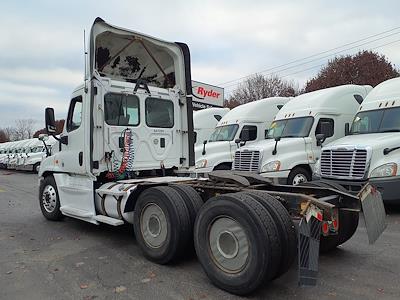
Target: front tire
[[298, 175], [49, 199]]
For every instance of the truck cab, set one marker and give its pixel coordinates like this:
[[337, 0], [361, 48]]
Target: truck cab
[[371, 150], [131, 118], [243, 125], [295, 137], [205, 121]]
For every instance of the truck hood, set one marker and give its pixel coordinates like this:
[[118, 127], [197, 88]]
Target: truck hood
[[375, 141], [211, 149]]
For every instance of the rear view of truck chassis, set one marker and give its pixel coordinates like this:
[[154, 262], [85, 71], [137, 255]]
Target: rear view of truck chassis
[[245, 229]]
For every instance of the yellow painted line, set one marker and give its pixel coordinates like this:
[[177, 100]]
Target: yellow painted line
[[1, 190]]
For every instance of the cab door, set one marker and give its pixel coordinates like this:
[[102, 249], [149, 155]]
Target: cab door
[[71, 158], [326, 126]]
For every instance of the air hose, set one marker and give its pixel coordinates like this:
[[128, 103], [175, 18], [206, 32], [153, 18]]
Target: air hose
[[121, 169]]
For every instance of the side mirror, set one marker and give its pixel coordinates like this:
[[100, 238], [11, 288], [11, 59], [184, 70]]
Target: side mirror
[[50, 121], [239, 142], [346, 129], [320, 139], [43, 137]]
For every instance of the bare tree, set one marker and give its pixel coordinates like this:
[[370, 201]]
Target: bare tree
[[259, 87], [3, 136], [10, 133], [24, 129]]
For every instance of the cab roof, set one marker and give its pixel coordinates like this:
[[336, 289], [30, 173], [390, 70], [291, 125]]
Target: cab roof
[[385, 94], [256, 111], [330, 100]]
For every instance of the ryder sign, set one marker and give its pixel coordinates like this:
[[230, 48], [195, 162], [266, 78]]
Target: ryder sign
[[206, 95]]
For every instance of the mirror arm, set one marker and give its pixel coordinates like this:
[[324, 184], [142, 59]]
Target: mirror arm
[[275, 150]]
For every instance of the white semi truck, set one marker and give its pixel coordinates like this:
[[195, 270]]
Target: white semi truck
[[371, 150], [295, 137], [205, 121], [129, 127], [243, 125]]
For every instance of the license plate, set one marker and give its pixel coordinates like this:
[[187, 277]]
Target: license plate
[[374, 212]]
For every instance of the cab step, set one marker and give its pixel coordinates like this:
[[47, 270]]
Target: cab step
[[108, 220], [67, 210]]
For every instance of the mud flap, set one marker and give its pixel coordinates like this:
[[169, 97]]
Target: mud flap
[[374, 212], [308, 249]]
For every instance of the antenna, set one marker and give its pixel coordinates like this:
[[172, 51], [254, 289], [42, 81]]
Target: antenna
[[85, 60]]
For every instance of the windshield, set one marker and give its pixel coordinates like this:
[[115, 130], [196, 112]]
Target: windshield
[[373, 121], [224, 133], [296, 127]]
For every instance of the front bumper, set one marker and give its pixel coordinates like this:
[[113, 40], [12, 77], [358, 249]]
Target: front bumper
[[388, 187], [279, 177]]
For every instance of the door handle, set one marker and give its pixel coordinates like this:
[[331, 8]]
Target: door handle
[[80, 158]]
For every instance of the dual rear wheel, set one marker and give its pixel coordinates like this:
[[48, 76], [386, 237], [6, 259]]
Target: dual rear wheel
[[241, 239]]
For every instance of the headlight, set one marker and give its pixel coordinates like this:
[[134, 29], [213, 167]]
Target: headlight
[[385, 170], [272, 166], [317, 167], [201, 164]]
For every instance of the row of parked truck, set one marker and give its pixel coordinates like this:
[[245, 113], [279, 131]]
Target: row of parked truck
[[346, 134], [24, 154]]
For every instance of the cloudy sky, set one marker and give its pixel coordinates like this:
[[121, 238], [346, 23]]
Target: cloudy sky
[[41, 42]]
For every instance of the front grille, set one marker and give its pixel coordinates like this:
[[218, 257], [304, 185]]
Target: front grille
[[247, 160], [341, 163]]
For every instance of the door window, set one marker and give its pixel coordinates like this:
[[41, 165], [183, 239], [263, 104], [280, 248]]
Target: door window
[[327, 125], [75, 114], [248, 133]]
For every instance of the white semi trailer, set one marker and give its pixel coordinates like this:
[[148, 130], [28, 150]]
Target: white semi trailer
[[371, 150], [129, 128]]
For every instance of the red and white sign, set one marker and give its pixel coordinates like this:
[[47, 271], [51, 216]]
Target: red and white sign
[[206, 95]]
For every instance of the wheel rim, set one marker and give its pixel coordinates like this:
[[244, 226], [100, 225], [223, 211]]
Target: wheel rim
[[153, 225], [49, 198], [299, 178], [229, 244]]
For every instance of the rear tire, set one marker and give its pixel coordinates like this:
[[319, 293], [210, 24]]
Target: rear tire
[[49, 199], [237, 243], [298, 175], [286, 228], [192, 199], [162, 224]]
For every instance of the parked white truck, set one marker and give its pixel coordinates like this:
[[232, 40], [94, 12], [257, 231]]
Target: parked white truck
[[294, 139], [245, 124], [130, 126], [205, 121], [371, 150]]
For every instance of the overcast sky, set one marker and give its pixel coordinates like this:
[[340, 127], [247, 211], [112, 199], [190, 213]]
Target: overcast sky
[[41, 42]]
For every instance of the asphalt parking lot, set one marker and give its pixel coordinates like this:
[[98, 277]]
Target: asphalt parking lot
[[76, 260]]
